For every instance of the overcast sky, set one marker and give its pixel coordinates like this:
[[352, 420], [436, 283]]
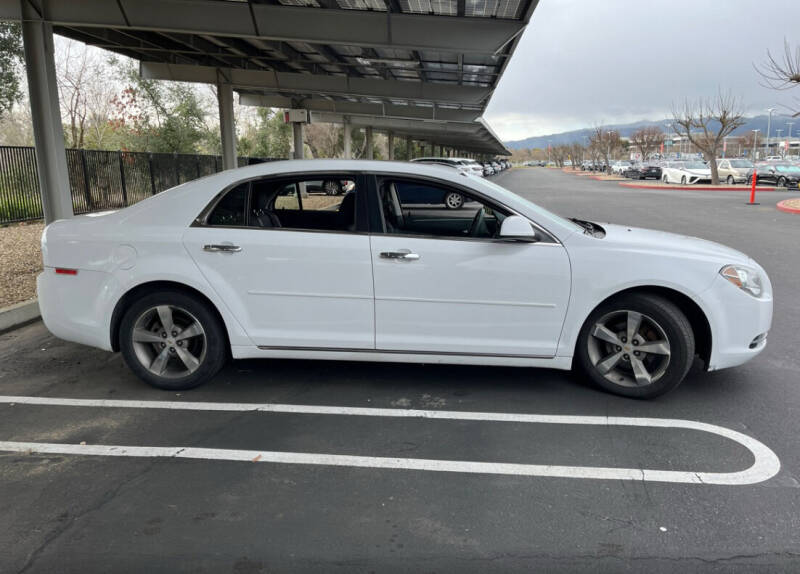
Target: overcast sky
[[586, 62]]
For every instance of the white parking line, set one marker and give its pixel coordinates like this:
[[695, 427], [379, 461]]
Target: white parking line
[[765, 466]]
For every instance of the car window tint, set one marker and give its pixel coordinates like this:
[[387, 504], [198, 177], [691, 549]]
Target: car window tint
[[412, 207], [231, 210], [320, 204]]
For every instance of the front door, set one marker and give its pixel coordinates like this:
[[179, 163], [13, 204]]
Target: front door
[[445, 284]]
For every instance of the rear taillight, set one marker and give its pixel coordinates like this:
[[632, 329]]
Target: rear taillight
[[65, 271]]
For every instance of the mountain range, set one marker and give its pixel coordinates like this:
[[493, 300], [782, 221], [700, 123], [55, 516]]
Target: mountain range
[[625, 130]]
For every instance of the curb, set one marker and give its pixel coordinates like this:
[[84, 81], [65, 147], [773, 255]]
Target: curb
[[19, 314], [696, 187], [783, 206]]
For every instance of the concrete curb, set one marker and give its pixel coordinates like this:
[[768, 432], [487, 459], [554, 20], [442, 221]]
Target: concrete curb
[[784, 206], [18, 315], [696, 187]]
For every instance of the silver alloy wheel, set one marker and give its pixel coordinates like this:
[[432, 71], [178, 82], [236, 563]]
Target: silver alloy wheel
[[331, 187], [169, 341], [730, 180], [629, 348], [454, 200], [683, 180]]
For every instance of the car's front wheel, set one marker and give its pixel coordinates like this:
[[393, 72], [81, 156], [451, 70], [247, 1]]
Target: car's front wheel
[[636, 345], [172, 340], [453, 200], [781, 182], [730, 180]]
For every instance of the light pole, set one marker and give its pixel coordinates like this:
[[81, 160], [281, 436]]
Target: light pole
[[548, 152], [789, 137], [779, 141], [769, 121], [755, 140]]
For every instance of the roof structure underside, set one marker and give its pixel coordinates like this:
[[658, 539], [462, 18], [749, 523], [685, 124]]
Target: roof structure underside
[[412, 59]]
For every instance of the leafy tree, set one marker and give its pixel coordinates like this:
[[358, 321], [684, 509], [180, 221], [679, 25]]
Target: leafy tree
[[268, 136], [11, 55]]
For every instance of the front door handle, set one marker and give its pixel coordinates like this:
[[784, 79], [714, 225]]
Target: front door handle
[[404, 255], [222, 248]]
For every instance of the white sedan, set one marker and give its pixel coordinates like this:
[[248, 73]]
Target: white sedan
[[685, 172], [247, 263]]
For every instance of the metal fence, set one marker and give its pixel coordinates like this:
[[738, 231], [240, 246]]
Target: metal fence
[[98, 180]]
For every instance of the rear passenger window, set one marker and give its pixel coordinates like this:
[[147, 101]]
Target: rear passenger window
[[232, 209]]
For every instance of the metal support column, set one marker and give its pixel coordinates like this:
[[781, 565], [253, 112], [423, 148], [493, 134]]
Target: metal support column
[[227, 128], [347, 139], [408, 147], [48, 134], [297, 133], [370, 144], [390, 143]]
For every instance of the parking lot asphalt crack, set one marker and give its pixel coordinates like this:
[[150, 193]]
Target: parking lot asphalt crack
[[109, 496]]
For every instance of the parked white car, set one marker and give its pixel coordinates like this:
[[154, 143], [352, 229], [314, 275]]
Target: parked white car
[[242, 264], [685, 172], [620, 166]]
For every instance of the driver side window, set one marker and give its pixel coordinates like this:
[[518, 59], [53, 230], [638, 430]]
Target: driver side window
[[422, 208]]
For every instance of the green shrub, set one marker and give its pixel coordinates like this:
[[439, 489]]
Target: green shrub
[[18, 208]]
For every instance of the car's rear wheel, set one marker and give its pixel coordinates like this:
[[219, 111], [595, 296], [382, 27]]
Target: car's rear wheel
[[331, 187], [637, 345], [453, 200], [683, 180], [172, 340], [730, 180]]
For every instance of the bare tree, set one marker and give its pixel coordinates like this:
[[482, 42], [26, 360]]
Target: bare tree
[[783, 72], [647, 140], [706, 122], [605, 143], [576, 151], [323, 139]]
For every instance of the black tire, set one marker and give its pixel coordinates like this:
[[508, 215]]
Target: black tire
[[453, 200], [730, 180], [675, 326], [683, 180], [216, 349], [781, 182], [331, 187]]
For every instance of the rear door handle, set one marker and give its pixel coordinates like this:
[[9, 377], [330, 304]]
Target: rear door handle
[[404, 255], [222, 248]]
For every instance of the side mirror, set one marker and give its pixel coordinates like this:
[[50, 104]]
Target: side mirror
[[517, 228]]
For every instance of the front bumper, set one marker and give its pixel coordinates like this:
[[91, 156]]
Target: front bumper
[[739, 323]]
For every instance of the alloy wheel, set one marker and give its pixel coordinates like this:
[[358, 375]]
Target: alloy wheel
[[331, 187], [169, 341], [454, 200], [629, 348]]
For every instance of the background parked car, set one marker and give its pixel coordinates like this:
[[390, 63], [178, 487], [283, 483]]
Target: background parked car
[[620, 166], [488, 169], [643, 171], [734, 170], [779, 174], [685, 172]]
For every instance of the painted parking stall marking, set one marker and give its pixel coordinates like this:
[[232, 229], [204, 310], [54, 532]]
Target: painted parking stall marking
[[765, 465]]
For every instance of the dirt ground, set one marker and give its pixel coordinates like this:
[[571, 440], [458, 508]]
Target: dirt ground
[[20, 261]]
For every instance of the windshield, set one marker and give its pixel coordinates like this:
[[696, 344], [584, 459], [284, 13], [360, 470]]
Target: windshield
[[695, 165], [741, 163], [545, 215]]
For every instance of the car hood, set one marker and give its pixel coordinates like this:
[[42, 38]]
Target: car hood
[[662, 242]]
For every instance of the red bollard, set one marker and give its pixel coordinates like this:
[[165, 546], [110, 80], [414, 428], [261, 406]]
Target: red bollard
[[753, 189]]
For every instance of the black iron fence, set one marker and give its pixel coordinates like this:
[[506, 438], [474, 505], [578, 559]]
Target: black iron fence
[[98, 180]]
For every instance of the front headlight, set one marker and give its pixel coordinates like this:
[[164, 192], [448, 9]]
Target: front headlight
[[744, 278]]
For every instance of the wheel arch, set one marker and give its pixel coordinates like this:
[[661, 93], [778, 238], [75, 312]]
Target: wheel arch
[[701, 328], [153, 286]]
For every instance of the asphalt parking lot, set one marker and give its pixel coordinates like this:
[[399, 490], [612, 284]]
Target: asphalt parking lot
[[205, 512]]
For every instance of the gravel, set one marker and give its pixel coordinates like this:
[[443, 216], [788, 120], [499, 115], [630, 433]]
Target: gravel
[[20, 262]]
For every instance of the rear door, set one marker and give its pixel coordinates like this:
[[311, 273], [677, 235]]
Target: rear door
[[440, 289], [302, 283]]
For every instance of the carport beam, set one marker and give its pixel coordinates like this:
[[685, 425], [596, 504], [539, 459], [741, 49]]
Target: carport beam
[[226, 125], [48, 134], [346, 139], [370, 144], [297, 132]]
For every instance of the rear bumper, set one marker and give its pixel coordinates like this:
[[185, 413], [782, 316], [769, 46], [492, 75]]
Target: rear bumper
[[75, 307]]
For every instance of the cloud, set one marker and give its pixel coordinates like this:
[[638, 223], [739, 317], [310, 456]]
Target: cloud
[[582, 63]]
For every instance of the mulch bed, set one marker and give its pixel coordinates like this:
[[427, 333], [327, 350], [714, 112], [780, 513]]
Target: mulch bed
[[20, 261]]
